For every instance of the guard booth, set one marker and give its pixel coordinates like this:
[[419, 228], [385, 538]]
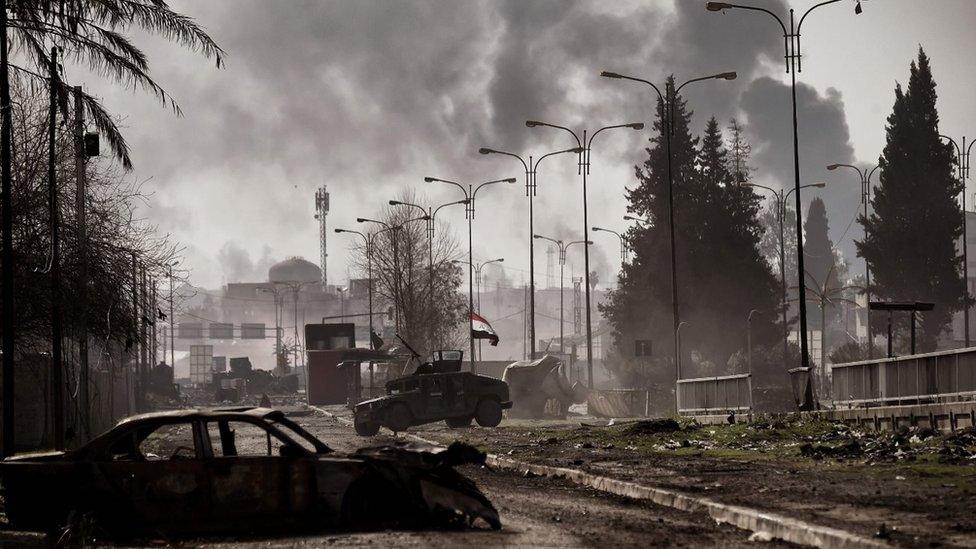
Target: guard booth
[[333, 363]]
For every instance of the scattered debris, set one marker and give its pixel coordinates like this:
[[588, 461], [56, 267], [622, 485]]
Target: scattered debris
[[652, 426]]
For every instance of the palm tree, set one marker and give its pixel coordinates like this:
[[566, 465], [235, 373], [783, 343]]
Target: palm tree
[[91, 32], [88, 31]]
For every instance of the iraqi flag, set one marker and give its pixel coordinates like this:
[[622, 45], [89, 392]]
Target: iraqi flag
[[480, 329]]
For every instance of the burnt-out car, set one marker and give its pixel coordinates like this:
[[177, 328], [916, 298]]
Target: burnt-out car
[[238, 470], [435, 390]]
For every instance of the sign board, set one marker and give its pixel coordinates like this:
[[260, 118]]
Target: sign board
[[201, 364], [221, 330], [189, 330], [642, 347], [252, 331]]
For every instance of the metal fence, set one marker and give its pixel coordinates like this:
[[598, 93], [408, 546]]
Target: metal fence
[[715, 394], [931, 377]]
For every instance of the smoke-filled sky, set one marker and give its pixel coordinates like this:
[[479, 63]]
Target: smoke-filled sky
[[369, 96]]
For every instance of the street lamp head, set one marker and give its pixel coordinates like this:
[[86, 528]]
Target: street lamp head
[[596, 229], [608, 74], [629, 218], [537, 236], [484, 150], [819, 185], [532, 123], [833, 167], [430, 179], [509, 180], [637, 125], [727, 75], [361, 220], [500, 260], [340, 230], [395, 203], [717, 6]]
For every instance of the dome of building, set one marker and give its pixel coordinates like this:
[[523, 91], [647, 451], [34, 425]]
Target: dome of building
[[295, 269]]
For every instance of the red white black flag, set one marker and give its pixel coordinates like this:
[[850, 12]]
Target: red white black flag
[[480, 329]]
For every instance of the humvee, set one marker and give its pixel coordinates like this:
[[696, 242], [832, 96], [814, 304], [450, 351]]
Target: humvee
[[435, 390]]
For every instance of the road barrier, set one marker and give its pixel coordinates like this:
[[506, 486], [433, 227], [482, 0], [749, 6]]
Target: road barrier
[[943, 376], [722, 394]]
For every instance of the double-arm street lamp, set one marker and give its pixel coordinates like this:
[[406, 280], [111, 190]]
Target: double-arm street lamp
[[667, 100], [781, 196], [429, 213], [584, 144], [531, 167], [865, 176], [963, 154], [368, 242], [478, 288], [470, 192], [393, 230], [562, 266], [794, 64], [620, 237]]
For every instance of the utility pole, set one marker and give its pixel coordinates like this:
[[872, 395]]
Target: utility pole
[[172, 328], [57, 372], [6, 218], [143, 347], [135, 334], [81, 156]]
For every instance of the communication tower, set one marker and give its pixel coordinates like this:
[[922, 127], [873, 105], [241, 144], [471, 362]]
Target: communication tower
[[321, 211]]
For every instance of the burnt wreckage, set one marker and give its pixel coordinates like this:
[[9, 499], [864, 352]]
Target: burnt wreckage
[[239, 470]]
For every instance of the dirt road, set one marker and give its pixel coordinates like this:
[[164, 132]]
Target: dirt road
[[535, 512]]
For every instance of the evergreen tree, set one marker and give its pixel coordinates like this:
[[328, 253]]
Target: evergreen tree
[[640, 307], [721, 273], [818, 257], [911, 237]]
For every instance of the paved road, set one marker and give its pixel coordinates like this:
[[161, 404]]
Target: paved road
[[535, 512]]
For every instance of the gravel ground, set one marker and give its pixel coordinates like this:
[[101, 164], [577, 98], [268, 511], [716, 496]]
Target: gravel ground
[[920, 502], [535, 512]]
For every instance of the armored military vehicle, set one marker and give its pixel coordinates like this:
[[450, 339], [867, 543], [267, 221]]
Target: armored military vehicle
[[434, 390]]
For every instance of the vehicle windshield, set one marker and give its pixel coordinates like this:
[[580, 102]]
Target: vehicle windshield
[[301, 436]]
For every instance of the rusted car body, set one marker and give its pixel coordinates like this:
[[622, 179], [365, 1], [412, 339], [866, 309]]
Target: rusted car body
[[238, 470], [436, 390]]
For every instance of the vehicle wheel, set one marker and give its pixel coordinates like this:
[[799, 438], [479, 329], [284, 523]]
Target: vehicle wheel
[[459, 422], [488, 413], [398, 418], [367, 428]]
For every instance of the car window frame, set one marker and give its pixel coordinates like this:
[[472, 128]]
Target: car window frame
[[261, 423], [199, 449]]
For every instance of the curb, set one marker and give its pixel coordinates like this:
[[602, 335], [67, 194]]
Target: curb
[[754, 520]]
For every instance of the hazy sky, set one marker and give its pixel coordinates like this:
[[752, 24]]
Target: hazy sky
[[370, 96]]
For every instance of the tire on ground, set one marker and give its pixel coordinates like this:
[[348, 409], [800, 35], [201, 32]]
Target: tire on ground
[[458, 422], [398, 417], [488, 413]]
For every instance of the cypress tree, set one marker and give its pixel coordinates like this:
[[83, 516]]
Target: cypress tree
[[640, 307], [911, 237], [818, 256]]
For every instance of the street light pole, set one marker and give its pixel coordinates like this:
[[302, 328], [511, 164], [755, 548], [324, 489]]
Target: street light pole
[[469, 195], [781, 196], [794, 64], [562, 266], [963, 154], [584, 170], [531, 167], [620, 237], [478, 284], [865, 177], [667, 101]]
